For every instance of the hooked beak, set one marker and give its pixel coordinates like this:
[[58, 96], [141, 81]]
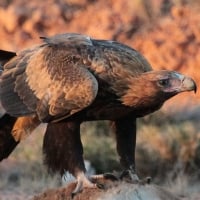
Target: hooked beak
[[183, 83], [188, 84]]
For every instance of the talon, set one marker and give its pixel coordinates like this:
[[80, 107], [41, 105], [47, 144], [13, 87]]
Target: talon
[[100, 186], [146, 180], [129, 176], [82, 182]]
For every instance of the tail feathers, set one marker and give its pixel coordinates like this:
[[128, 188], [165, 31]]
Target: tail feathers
[[7, 141]]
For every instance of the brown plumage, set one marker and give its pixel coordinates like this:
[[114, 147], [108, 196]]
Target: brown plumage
[[72, 78]]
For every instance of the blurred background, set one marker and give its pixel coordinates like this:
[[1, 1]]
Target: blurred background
[[167, 33]]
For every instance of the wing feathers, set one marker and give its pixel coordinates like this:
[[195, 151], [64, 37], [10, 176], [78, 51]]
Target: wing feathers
[[25, 93], [43, 108], [43, 81], [10, 99], [14, 92], [57, 78]]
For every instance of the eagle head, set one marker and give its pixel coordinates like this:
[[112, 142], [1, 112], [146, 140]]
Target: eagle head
[[170, 83], [155, 87]]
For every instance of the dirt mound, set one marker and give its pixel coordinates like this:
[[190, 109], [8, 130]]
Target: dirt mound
[[114, 190]]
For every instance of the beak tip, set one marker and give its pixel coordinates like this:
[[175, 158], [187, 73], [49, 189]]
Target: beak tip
[[195, 87], [195, 90]]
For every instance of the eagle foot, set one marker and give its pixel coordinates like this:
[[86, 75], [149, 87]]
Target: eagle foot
[[83, 182], [129, 176]]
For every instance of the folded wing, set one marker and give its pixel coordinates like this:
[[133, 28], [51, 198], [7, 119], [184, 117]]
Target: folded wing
[[45, 81]]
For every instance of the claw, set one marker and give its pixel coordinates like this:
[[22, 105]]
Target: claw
[[100, 186], [148, 179], [144, 181], [130, 176], [82, 182]]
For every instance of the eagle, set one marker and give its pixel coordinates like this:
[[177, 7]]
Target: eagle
[[71, 78]]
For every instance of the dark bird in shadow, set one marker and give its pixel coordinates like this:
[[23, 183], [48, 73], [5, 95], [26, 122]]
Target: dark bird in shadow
[[7, 141], [72, 78]]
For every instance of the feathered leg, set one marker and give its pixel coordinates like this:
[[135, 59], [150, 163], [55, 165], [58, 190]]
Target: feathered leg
[[63, 151], [7, 141], [24, 126], [13, 130], [125, 130]]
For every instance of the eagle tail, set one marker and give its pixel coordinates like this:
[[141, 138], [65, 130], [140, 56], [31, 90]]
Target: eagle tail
[[7, 141]]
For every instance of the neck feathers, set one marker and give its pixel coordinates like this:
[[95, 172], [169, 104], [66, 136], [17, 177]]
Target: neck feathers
[[140, 93]]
